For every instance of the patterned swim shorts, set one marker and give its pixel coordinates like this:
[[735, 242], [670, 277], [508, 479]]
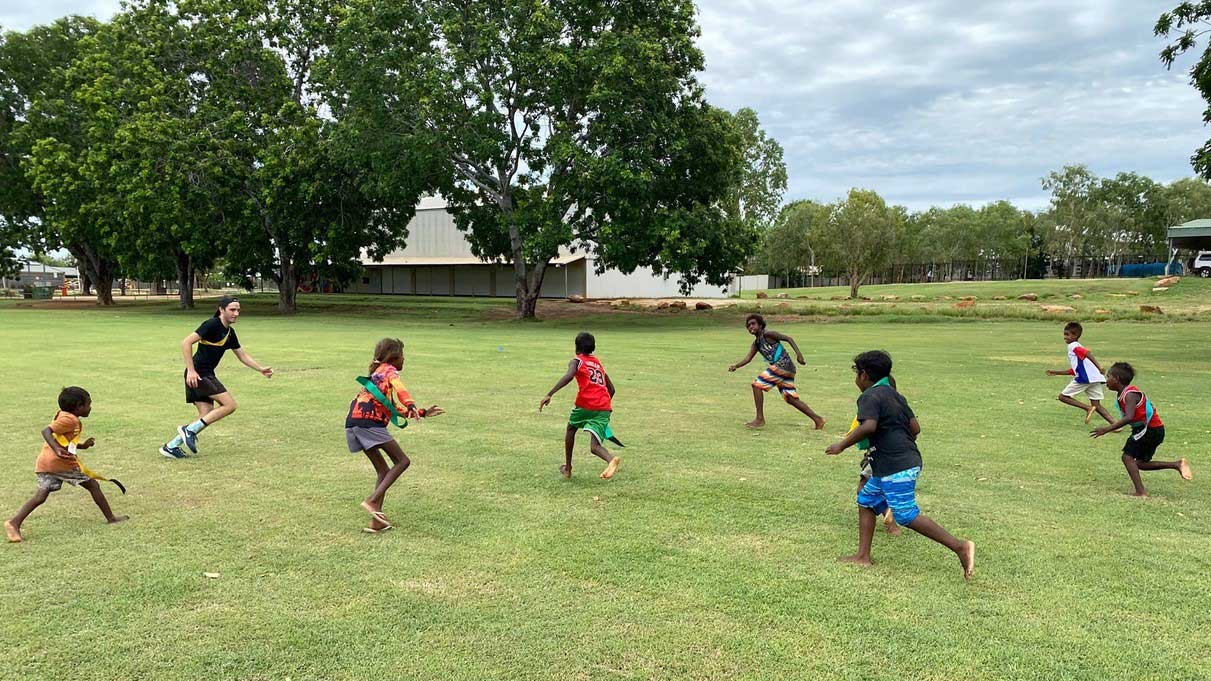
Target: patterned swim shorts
[[774, 377], [53, 482]]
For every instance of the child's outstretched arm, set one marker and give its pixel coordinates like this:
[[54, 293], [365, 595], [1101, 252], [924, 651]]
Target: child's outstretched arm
[[1132, 401], [1066, 372], [563, 380], [609, 385], [752, 352], [783, 337], [864, 430]]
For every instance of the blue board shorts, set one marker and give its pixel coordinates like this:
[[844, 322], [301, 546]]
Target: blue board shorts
[[897, 491]]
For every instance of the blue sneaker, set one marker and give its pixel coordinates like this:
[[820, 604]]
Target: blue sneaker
[[173, 453], [190, 438]]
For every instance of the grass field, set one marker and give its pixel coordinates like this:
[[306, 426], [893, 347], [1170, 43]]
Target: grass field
[[1094, 299], [711, 555]]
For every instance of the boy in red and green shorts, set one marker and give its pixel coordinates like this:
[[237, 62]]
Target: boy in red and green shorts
[[593, 406]]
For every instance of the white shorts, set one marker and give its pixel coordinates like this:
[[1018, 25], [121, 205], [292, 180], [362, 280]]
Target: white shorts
[[1091, 390]]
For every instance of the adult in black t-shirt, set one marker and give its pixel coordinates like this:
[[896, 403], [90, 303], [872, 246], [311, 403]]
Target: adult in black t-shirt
[[886, 420], [202, 388]]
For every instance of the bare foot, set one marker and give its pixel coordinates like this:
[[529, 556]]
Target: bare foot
[[755, 423], [14, 535], [819, 421], [967, 558], [1183, 467], [1089, 414], [118, 519], [612, 468], [566, 471], [855, 559], [893, 529]]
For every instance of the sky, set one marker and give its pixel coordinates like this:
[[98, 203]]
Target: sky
[[929, 102]]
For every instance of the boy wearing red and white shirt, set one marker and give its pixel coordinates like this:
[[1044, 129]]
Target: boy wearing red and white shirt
[[593, 407], [1147, 430], [1086, 376]]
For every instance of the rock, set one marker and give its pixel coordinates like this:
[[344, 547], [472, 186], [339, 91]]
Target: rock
[[784, 295], [1101, 311], [999, 298], [1028, 296], [1077, 296], [620, 302], [784, 306], [890, 298], [945, 298], [662, 305], [1150, 309], [802, 297], [1132, 293], [574, 298], [700, 305], [964, 304], [1058, 308], [762, 295], [1159, 289], [838, 298], [917, 299], [864, 298], [678, 305], [1168, 281], [968, 298]]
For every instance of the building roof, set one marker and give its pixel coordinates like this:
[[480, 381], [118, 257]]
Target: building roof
[[33, 266], [1195, 234], [419, 260]]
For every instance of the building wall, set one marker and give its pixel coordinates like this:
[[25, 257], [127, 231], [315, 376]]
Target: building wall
[[643, 283], [488, 279]]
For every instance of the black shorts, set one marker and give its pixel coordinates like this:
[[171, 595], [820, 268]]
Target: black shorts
[[208, 386], [1144, 448]]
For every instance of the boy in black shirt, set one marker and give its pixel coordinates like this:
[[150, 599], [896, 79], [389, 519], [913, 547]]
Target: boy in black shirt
[[887, 421], [202, 388]]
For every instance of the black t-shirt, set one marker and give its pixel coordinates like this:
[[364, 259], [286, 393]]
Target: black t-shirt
[[215, 340], [892, 448]]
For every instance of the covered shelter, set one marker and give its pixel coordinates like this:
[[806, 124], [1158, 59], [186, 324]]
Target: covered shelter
[[1194, 235]]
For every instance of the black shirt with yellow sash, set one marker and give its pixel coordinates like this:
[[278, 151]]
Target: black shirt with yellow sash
[[214, 340]]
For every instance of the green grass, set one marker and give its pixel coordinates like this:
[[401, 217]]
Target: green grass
[[711, 555], [1100, 299]]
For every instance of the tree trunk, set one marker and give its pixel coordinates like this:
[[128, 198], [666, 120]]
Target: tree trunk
[[528, 299], [98, 270], [185, 280], [288, 286], [854, 280]]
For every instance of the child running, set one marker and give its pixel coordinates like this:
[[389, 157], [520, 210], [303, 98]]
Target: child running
[[593, 406], [780, 373], [891, 426], [1087, 376], [202, 388], [57, 462], [366, 426], [1147, 431]]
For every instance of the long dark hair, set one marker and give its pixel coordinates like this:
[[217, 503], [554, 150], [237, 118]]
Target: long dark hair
[[385, 350], [224, 302]]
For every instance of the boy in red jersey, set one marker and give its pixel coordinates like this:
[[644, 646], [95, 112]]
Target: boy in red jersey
[[593, 406], [1147, 431]]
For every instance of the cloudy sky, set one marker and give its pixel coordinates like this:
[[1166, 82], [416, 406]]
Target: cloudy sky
[[930, 102]]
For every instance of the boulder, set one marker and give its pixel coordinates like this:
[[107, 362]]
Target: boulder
[[999, 298], [968, 298], [700, 305], [678, 305], [783, 295], [1132, 293], [890, 298], [575, 298], [1028, 296], [662, 305], [864, 298], [762, 295], [917, 299], [1058, 308], [945, 298], [1101, 311], [1159, 289], [1168, 281], [839, 298], [964, 304], [1150, 309], [803, 297], [1077, 296]]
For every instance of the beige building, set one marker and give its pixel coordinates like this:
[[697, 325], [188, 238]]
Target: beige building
[[437, 261]]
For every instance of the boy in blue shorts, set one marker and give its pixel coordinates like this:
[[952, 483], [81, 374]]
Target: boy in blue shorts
[[885, 419]]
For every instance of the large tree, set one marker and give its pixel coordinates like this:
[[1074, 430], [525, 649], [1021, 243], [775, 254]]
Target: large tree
[[859, 237], [557, 124], [1071, 222], [1184, 25]]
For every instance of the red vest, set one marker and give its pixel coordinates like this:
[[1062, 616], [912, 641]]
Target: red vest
[[591, 383], [1141, 408]]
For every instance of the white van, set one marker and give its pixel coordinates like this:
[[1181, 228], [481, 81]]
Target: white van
[[1202, 264]]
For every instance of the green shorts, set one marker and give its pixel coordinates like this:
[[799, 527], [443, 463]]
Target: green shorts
[[596, 422]]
